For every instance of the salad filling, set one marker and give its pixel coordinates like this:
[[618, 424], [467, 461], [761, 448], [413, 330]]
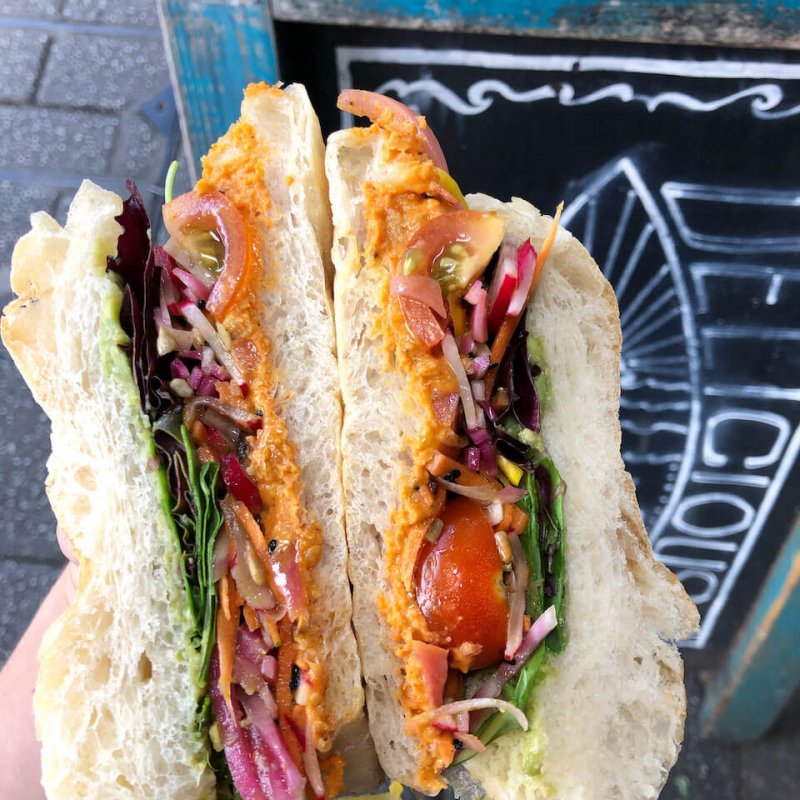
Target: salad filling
[[475, 552], [201, 362]]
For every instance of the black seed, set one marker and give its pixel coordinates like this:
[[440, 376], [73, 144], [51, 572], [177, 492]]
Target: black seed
[[453, 475], [201, 304], [272, 545], [242, 449], [458, 744], [294, 682], [259, 412]]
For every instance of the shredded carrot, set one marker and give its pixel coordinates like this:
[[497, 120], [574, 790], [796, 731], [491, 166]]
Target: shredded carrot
[[332, 767], [250, 618], [199, 433], [287, 655], [259, 542], [286, 658], [274, 632], [547, 245], [227, 623], [254, 532], [509, 324], [440, 465], [519, 519], [505, 522], [526, 624]]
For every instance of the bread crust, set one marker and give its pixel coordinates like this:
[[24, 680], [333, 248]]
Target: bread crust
[[116, 668], [638, 715]]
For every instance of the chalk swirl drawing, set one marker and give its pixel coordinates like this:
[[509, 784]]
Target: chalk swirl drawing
[[765, 98], [660, 403]]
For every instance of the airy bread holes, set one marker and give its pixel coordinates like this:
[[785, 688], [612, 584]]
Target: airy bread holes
[[124, 783], [144, 669], [102, 670], [86, 479]]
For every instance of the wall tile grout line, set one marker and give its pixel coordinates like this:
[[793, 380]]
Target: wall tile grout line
[[95, 29], [48, 46], [35, 104]]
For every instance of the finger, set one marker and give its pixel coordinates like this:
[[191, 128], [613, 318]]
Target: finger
[[66, 548]]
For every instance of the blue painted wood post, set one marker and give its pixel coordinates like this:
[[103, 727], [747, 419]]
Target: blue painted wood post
[[760, 23], [215, 49], [763, 668]]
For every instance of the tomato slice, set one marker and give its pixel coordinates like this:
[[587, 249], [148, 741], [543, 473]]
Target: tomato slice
[[421, 321], [455, 247], [376, 106], [210, 226], [459, 583]]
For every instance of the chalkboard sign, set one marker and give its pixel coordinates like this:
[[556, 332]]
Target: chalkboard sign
[[680, 168]]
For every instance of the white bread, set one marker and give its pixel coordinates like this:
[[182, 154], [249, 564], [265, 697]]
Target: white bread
[[608, 714], [116, 698], [298, 318], [376, 420]]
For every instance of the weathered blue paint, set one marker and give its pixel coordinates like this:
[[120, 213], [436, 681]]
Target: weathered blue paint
[[750, 22], [216, 49], [763, 668]]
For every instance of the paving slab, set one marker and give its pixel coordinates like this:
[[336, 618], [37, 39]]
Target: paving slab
[[28, 528], [22, 51], [139, 13], [102, 72], [33, 9], [771, 766], [141, 152], [55, 140]]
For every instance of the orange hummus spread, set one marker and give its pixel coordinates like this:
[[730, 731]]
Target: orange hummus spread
[[234, 166], [395, 208]]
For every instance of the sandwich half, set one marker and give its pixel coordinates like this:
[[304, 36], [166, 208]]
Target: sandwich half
[[195, 408], [517, 636]]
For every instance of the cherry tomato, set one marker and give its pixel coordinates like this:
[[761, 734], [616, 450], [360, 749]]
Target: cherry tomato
[[421, 321], [194, 215], [459, 582], [455, 247]]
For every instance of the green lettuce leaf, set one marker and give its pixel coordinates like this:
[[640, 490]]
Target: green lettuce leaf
[[205, 524]]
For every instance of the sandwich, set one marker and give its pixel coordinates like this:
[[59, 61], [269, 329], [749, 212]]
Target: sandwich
[[516, 635], [195, 408]]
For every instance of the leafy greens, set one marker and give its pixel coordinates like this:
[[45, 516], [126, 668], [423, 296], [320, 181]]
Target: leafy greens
[[543, 544]]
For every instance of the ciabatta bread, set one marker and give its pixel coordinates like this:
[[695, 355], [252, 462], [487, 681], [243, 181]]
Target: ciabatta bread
[[608, 713], [297, 308], [116, 695], [607, 717]]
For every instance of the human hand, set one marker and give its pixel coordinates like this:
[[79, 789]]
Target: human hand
[[19, 749]]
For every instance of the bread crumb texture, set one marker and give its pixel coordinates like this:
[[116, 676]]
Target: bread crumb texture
[[116, 696], [607, 715]]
